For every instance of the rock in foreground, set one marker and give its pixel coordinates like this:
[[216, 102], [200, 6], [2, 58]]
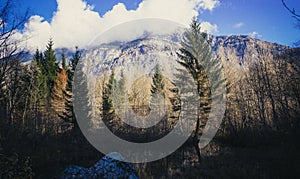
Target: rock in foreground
[[108, 167]]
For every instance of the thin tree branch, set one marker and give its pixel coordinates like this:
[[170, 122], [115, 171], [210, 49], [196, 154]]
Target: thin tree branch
[[292, 11]]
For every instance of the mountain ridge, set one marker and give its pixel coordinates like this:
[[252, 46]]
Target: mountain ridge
[[244, 46], [235, 47]]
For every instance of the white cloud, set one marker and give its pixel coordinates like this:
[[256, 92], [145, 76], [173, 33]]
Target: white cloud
[[207, 4], [209, 28], [238, 25], [255, 35], [75, 23]]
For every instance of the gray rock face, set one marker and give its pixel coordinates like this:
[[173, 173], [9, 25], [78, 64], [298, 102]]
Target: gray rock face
[[108, 167], [241, 48]]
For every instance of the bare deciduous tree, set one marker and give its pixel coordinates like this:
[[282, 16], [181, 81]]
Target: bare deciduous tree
[[292, 11], [295, 15], [10, 22]]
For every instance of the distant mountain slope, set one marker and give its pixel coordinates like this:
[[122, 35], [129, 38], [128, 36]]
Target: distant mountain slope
[[241, 47]]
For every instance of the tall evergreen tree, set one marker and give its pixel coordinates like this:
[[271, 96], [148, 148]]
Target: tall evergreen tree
[[158, 85], [34, 86], [37, 68], [158, 88], [68, 114], [194, 54], [120, 94], [49, 66], [81, 99], [60, 83], [107, 102]]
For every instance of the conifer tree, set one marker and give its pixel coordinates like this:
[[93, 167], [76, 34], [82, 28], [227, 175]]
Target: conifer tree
[[107, 102], [68, 114], [193, 55], [158, 85], [119, 94], [158, 88], [81, 99], [49, 66], [60, 83], [34, 85], [40, 78]]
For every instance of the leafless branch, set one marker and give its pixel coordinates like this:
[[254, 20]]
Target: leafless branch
[[292, 11]]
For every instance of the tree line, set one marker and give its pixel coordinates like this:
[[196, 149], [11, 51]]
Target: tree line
[[36, 97]]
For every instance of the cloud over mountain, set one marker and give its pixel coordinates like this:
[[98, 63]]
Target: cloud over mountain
[[76, 23], [255, 35], [209, 28]]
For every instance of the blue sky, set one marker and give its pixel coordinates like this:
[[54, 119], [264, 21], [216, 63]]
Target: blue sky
[[264, 19]]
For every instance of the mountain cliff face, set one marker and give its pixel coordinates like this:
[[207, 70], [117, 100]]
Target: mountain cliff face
[[136, 56], [242, 48], [238, 48]]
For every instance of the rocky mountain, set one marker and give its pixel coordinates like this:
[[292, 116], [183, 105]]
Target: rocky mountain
[[136, 56], [242, 48], [238, 48]]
